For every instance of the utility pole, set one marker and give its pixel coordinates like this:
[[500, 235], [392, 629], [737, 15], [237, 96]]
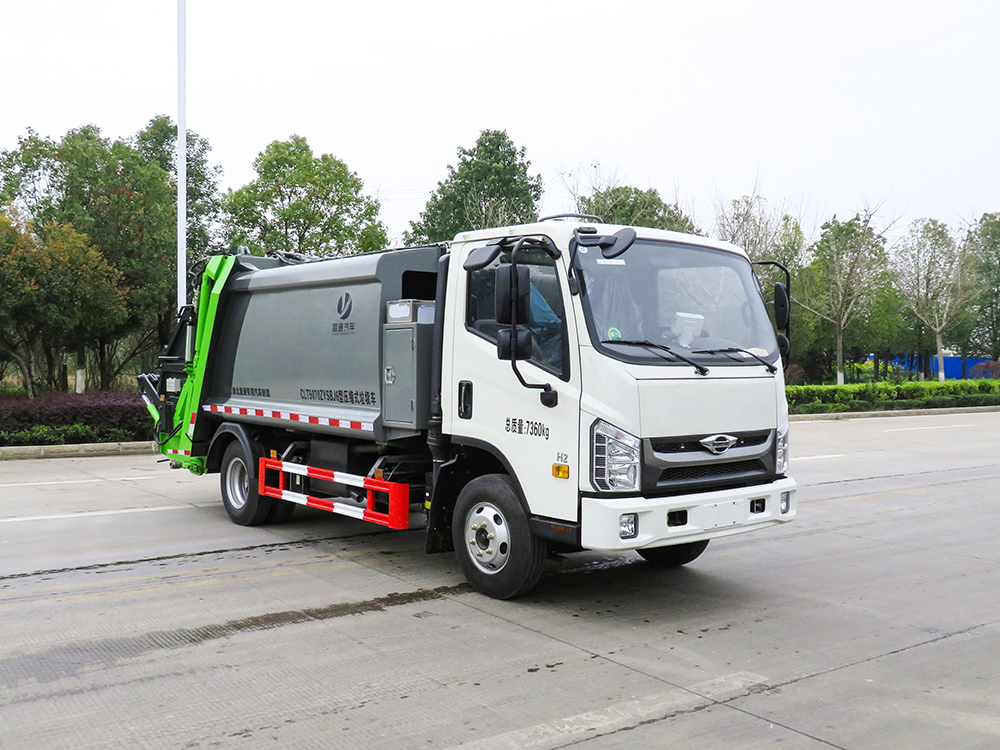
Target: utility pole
[[181, 155]]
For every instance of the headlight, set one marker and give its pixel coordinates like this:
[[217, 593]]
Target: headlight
[[781, 458], [614, 459]]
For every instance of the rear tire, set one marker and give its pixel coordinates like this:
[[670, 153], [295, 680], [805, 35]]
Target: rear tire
[[675, 555], [239, 489], [493, 541]]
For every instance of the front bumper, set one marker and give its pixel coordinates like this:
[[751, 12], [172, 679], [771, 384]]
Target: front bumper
[[709, 515]]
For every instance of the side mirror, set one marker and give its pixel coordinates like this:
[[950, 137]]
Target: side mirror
[[504, 295], [782, 306], [505, 344], [618, 243], [481, 257]]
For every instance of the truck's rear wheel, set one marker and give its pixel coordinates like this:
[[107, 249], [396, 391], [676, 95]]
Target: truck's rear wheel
[[239, 492], [493, 542], [675, 555]]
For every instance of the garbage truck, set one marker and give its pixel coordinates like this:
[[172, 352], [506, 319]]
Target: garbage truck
[[540, 389]]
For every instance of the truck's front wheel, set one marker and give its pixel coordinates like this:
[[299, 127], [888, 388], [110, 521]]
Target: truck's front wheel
[[493, 541], [244, 504]]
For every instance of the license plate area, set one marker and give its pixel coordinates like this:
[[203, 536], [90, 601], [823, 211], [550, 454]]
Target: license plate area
[[729, 513]]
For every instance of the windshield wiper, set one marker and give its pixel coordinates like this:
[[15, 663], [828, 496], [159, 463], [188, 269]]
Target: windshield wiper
[[700, 369], [733, 350]]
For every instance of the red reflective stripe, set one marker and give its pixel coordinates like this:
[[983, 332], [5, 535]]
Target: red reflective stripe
[[315, 502], [288, 416], [323, 474]]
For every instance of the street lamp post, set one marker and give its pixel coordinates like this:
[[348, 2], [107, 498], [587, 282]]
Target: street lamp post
[[181, 156]]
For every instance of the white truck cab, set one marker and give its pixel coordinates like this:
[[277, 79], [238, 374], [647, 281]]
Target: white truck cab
[[648, 412]]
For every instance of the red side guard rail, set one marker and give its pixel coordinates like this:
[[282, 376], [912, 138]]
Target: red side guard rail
[[273, 482]]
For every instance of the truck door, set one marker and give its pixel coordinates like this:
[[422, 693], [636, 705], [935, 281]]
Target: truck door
[[487, 404]]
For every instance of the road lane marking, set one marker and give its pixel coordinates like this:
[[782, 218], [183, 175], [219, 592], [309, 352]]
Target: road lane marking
[[811, 458], [77, 481], [934, 427], [558, 733], [623, 715], [92, 513]]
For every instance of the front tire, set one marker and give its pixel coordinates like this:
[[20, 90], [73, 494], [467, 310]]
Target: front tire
[[675, 555], [244, 504], [493, 541]]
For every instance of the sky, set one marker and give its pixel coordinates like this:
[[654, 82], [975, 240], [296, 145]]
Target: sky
[[822, 108]]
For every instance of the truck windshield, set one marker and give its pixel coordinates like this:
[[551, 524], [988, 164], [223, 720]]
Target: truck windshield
[[691, 299]]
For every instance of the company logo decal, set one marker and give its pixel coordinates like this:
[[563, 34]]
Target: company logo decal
[[344, 305], [718, 444]]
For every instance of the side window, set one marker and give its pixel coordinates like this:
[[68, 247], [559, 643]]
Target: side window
[[547, 321]]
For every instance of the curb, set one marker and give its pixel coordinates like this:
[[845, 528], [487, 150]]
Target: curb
[[83, 450], [888, 413]]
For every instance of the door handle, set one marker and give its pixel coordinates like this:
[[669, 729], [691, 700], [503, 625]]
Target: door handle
[[465, 399]]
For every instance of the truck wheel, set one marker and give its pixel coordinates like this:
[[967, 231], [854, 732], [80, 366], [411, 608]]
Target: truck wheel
[[675, 555], [239, 493], [493, 542]]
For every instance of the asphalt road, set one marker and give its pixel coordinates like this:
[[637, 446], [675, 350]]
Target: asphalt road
[[133, 614]]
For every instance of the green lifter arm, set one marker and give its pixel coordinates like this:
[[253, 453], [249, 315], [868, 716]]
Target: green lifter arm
[[174, 398]]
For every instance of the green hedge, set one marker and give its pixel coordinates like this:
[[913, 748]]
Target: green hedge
[[822, 399], [71, 418], [73, 434]]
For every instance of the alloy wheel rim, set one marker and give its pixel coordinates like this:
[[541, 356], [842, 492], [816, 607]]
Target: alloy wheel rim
[[237, 483], [487, 538]]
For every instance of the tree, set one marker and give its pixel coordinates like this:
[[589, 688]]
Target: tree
[[157, 142], [848, 265], [490, 187], [879, 327], [302, 203], [624, 204], [611, 200], [55, 292], [983, 242], [124, 203], [748, 222], [934, 275]]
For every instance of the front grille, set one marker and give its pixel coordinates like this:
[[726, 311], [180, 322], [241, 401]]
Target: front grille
[[691, 444], [713, 471]]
